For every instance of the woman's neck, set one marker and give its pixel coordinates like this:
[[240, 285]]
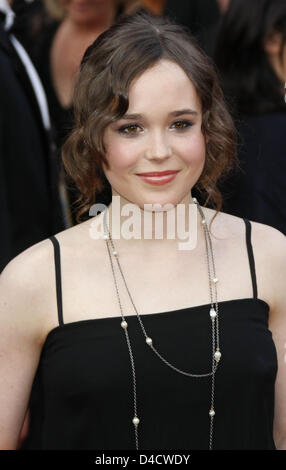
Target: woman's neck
[[172, 226]]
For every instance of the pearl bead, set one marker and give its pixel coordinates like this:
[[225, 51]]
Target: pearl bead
[[124, 324], [149, 341], [105, 236], [217, 356], [195, 201], [215, 280], [115, 253], [212, 412], [136, 421], [204, 221], [212, 313]]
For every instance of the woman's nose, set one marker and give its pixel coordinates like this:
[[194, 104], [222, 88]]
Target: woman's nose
[[158, 147]]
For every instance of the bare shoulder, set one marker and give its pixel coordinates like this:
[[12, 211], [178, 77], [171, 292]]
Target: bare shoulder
[[269, 246], [28, 283], [268, 238], [32, 268], [23, 289], [27, 270], [28, 287], [269, 250]]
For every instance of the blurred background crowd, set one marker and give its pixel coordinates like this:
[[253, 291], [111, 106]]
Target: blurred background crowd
[[41, 46]]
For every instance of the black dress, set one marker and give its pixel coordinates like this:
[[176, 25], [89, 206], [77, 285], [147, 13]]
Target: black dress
[[83, 385], [258, 190]]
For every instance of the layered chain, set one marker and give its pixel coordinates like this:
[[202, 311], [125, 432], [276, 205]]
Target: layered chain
[[216, 354]]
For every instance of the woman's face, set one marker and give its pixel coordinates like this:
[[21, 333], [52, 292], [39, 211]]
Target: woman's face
[[87, 11], [161, 132]]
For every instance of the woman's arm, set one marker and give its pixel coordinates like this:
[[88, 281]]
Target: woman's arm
[[20, 340]]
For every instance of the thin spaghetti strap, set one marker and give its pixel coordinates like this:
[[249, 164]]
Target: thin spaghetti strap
[[57, 257], [251, 257]]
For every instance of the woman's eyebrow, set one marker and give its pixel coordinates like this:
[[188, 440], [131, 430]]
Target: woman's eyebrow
[[131, 116], [173, 113], [184, 111]]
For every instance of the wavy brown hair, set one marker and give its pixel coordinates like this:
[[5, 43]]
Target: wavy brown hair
[[118, 56]]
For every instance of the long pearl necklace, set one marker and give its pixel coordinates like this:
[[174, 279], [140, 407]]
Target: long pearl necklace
[[216, 353]]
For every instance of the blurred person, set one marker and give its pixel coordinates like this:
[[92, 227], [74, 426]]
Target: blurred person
[[251, 56], [60, 49], [30, 207], [58, 53]]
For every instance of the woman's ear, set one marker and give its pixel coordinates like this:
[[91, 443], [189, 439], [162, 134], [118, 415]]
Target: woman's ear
[[272, 44]]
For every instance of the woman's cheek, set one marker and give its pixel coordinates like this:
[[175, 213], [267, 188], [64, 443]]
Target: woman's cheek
[[194, 151], [123, 156]]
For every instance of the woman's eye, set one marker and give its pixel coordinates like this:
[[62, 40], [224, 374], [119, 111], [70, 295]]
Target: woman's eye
[[181, 125], [130, 129]]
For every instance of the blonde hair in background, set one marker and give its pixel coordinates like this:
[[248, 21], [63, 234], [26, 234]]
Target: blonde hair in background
[[54, 9], [57, 11]]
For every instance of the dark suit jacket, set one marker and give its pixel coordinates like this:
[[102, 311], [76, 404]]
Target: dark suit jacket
[[30, 208]]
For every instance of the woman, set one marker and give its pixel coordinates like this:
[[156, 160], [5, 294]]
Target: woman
[[169, 348], [251, 56], [63, 43], [58, 53]]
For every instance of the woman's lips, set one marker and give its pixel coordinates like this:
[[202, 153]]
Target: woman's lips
[[158, 177]]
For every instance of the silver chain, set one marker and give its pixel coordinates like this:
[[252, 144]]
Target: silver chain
[[216, 354]]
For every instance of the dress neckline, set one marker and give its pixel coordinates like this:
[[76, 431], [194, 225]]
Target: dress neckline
[[75, 324]]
